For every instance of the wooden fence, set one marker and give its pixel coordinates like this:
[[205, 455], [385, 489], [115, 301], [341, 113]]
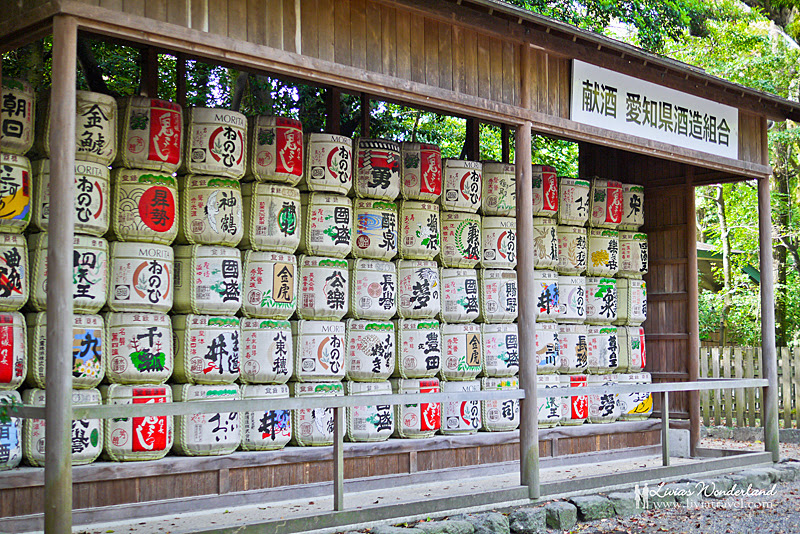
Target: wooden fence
[[742, 408]]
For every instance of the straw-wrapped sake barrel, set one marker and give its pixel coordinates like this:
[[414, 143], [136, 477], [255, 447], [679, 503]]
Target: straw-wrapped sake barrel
[[499, 195], [144, 206], [572, 249], [499, 238], [150, 134], [420, 420], [17, 116], [313, 426], [13, 350], [267, 353], [633, 255], [462, 351], [638, 405], [88, 350], [573, 349], [210, 211], [215, 143], [499, 300], [632, 353], [460, 417], [328, 163], [375, 229], [603, 355], [606, 204], [574, 408], [208, 280], [319, 350], [500, 415], [632, 207], [632, 302], [369, 423], [573, 201], [141, 277], [207, 349], [270, 285], [92, 208], [323, 292], [419, 235], [206, 434], [460, 295], [327, 225], [140, 347], [377, 168], [271, 214], [373, 289], [500, 350], [419, 348], [571, 299], [603, 408], [546, 291], [266, 430], [601, 300], [87, 434], [15, 279], [549, 408], [418, 289], [137, 438], [10, 434], [275, 149], [602, 252], [16, 182], [462, 185], [421, 171], [548, 359], [370, 350], [461, 239], [545, 191], [545, 243]]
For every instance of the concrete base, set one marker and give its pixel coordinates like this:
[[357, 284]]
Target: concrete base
[[679, 443]]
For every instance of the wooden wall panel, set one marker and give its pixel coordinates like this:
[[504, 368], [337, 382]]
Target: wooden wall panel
[[309, 34], [445, 57], [325, 22], [403, 45], [290, 27], [341, 33], [431, 47], [217, 16], [184, 484], [388, 23], [358, 34]]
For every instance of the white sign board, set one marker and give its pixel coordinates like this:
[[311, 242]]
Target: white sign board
[[614, 101]]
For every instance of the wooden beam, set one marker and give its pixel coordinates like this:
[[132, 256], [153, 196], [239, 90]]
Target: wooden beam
[[333, 119], [149, 77], [365, 113], [180, 80], [506, 142], [472, 141]]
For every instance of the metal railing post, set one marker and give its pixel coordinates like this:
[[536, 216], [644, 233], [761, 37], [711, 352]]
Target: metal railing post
[[665, 428], [338, 458]]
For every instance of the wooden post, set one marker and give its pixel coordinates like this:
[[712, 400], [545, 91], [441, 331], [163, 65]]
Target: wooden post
[[58, 403], [180, 80], [769, 357], [338, 458], [365, 115], [149, 81], [665, 429], [473, 141], [693, 319], [505, 134], [333, 119]]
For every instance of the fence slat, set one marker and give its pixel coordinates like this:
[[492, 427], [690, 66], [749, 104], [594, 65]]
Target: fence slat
[[749, 372], [728, 399], [717, 393], [705, 396], [796, 392], [738, 372], [785, 377]]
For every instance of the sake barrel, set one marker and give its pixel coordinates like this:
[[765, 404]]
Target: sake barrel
[[369, 423], [210, 212], [601, 300], [602, 408], [377, 168], [548, 359], [632, 207], [323, 288], [375, 229], [419, 348], [95, 127], [17, 116], [549, 407], [603, 355], [14, 273], [461, 239], [418, 289], [421, 171], [545, 191], [271, 214], [460, 417], [86, 436], [275, 149], [215, 143], [207, 349], [460, 296], [373, 290], [499, 238], [371, 351], [88, 350], [140, 346], [499, 195], [141, 277], [461, 351], [499, 301], [268, 352], [91, 197], [89, 272], [545, 243], [420, 420], [573, 201], [632, 353], [419, 235], [15, 193], [632, 302], [327, 225], [137, 438], [571, 299], [144, 206], [270, 285], [150, 134], [462, 185], [13, 351], [319, 350], [573, 348], [572, 249], [208, 280], [633, 255], [606, 204], [638, 405], [602, 252], [10, 433], [313, 426], [546, 291], [500, 350], [206, 434], [574, 408], [328, 163], [265, 430], [500, 415]]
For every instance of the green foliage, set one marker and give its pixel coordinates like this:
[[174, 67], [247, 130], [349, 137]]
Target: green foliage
[[7, 407], [743, 320]]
